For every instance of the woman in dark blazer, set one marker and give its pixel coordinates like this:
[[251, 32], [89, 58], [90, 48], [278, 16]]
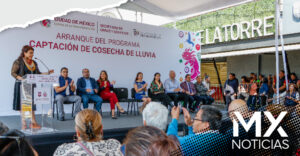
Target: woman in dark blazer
[[22, 66]]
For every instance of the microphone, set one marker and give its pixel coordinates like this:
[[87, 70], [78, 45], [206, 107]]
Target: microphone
[[42, 63]]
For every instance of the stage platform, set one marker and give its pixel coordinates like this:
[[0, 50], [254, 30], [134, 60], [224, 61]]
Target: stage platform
[[46, 143]]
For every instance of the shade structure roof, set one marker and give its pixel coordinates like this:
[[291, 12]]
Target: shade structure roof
[[179, 9]]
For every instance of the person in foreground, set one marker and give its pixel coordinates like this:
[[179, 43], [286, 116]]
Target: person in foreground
[[204, 137], [150, 141], [106, 93], [89, 131], [13, 143], [22, 66], [155, 114]]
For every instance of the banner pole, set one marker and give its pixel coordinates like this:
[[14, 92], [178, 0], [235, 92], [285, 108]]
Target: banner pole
[[276, 50], [282, 48]]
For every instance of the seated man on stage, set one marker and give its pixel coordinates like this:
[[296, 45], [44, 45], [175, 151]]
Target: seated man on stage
[[202, 91], [88, 88], [64, 92], [190, 90], [174, 91]]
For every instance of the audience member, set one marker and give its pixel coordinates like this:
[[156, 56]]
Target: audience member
[[138, 140], [155, 114], [263, 92], [89, 130], [165, 146], [243, 89], [282, 88], [292, 96], [13, 143], [206, 82], [294, 79], [230, 88], [252, 100], [203, 131]]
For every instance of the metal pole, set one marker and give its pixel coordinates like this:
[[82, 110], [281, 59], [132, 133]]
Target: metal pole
[[219, 80], [282, 48], [276, 50]]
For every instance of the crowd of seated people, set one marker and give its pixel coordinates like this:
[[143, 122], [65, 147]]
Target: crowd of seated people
[[262, 91], [210, 132]]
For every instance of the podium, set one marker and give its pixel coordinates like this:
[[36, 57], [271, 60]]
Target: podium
[[37, 94]]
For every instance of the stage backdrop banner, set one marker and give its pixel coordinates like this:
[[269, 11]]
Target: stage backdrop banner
[[122, 48]]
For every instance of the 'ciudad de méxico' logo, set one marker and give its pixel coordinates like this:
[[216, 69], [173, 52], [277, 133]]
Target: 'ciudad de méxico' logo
[[46, 23]]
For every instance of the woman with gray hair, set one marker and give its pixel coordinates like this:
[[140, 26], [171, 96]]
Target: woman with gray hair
[[155, 114]]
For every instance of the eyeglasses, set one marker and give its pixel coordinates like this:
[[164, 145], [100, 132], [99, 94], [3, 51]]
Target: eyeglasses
[[195, 119]]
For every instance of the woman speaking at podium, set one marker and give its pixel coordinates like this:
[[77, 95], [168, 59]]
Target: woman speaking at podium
[[22, 66]]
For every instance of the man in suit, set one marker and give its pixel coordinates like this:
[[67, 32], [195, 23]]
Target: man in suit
[[190, 90], [88, 89]]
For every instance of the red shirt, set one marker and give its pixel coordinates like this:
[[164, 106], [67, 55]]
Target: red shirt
[[103, 90]]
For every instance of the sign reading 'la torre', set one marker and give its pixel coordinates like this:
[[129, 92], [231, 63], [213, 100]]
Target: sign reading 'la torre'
[[236, 31]]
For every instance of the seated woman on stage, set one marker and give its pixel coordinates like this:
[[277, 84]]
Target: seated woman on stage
[[140, 88], [22, 66], [89, 131], [106, 93], [292, 96], [158, 91]]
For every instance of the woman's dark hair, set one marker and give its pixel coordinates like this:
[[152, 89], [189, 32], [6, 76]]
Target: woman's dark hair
[[138, 140], [63, 68], [25, 49], [295, 87], [244, 77], [137, 75], [294, 75], [211, 115], [164, 146], [15, 144], [106, 79], [155, 76]]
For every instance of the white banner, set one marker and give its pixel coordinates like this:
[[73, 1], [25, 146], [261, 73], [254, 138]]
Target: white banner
[[122, 48], [44, 79]]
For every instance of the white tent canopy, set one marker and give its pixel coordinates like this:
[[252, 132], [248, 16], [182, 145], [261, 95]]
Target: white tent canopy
[[159, 12], [179, 8]]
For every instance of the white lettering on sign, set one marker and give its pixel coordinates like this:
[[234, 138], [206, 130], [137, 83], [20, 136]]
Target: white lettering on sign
[[236, 31]]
